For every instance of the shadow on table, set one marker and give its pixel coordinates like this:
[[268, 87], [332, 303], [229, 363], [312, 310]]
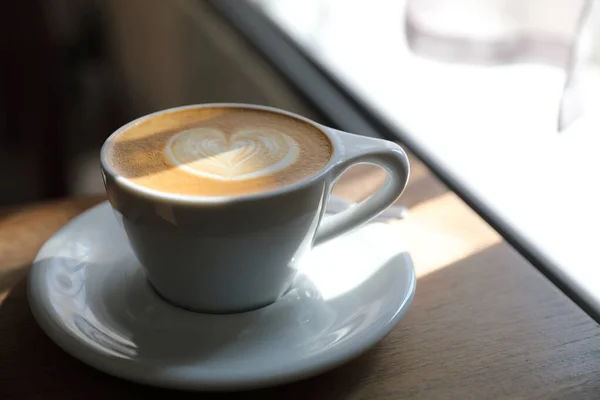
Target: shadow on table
[[460, 333]]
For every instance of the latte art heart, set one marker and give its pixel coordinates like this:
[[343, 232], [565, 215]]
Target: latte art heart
[[221, 152], [245, 154]]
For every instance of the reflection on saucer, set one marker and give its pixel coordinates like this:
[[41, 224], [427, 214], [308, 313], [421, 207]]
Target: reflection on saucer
[[343, 264]]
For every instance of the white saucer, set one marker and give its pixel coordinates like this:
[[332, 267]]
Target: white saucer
[[89, 294]]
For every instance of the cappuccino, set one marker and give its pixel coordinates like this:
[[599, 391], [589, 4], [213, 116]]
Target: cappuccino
[[218, 151]]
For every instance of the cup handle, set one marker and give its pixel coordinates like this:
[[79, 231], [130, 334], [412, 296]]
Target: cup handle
[[354, 149]]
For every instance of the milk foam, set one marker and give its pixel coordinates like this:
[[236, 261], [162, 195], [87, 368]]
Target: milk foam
[[244, 154], [218, 152]]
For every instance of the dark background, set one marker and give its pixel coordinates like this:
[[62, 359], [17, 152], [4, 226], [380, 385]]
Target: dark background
[[74, 71]]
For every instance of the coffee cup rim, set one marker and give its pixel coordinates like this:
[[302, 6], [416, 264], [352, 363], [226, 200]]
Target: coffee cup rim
[[153, 194]]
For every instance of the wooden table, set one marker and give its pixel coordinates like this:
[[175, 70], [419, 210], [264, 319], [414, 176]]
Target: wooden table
[[484, 324]]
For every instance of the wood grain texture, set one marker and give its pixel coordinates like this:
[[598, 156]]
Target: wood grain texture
[[484, 323]]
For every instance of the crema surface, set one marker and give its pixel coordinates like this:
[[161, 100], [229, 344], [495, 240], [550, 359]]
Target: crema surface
[[218, 151]]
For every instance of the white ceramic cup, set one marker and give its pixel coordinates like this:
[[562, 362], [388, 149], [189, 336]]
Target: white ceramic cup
[[233, 254]]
